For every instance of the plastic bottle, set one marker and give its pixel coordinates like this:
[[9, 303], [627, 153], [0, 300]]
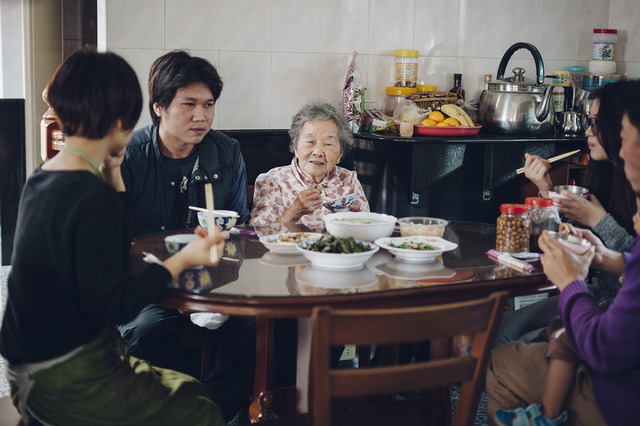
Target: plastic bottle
[[544, 215], [557, 97], [406, 68], [604, 51], [513, 228], [457, 86]]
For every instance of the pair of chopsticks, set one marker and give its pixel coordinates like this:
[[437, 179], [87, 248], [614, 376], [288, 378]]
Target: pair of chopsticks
[[200, 209], [208, 195], [553, 159], [322, 196]]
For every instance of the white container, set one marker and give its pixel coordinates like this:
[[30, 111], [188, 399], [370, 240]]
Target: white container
[[557, 97], [604, 51], [406, 68]]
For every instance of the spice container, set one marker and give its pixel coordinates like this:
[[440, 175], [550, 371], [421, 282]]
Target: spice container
[[543, 214], [604, 51], [394, 96], [513, 228], [406, 68]]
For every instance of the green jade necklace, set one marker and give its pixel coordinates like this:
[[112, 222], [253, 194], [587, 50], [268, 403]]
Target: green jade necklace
[[80, 153]]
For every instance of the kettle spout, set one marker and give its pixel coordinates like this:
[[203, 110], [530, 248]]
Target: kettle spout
[[542, 109]]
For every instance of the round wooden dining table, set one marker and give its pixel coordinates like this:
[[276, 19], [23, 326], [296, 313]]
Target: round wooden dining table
[[252, 281]]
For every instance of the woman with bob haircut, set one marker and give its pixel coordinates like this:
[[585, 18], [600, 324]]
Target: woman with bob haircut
[[68, 286]]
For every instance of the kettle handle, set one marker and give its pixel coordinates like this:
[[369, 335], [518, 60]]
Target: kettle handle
[[536, 57]]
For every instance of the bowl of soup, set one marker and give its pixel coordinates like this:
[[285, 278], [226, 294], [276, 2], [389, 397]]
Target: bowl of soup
[[362, 226]]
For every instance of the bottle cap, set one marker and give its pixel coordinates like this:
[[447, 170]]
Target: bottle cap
[[426, 88], [538, 202], [400, 91], [604, 31], [514, 208], [404, 52]]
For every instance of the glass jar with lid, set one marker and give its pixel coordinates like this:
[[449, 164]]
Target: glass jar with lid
[[406, 68], [513, 229], [544, 215]]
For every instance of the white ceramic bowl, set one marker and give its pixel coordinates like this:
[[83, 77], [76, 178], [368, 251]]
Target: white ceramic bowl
[[339, 261], [340, 204], [360, 225], [574, 243], [225, 219], [273, 243], [410, 255], [175, 243]]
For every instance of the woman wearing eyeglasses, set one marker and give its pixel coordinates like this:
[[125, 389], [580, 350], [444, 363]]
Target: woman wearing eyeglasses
[[610, 205]]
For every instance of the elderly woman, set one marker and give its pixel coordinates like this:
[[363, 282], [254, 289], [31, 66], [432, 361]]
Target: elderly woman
[[320, 138]]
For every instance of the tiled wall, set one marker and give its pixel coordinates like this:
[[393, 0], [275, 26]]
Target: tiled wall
[[274, 55]]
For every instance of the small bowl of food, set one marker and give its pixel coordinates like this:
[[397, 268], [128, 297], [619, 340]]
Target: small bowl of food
[[287, 243], [175, 243], [331, 252], [429, 226], [360, 225], [340, 204], [574, 243], [416, 248], [556, 191], [224, 219]]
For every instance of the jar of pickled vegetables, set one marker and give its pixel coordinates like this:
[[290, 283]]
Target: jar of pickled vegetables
[[513, 228], [543, 215]]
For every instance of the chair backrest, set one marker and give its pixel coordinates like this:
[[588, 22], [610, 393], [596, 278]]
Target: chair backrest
[[478, 317]]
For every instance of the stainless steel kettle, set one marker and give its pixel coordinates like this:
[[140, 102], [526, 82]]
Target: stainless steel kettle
[[514, 105]]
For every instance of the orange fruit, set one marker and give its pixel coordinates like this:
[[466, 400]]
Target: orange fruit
[[436, 116], [452, 121], [428, 122], [444, 124]]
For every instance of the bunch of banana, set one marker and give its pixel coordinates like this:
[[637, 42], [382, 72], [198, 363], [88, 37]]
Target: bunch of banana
[[458, 113]]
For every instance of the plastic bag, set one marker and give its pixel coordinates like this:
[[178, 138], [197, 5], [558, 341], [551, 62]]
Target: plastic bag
[[407, 111], [353, 96]]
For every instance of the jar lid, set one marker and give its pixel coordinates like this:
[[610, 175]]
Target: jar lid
[[514, 208], [538, 202], [604, 31], [404, 52], [576, 69], [400, 91], [426, 88]]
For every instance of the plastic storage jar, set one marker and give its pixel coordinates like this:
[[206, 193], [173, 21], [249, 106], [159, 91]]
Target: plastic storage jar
[[393, 97], [406, 68], [543, 215], [513, 228], [604, 51]]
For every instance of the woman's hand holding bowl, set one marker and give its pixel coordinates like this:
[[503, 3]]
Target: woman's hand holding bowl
[[560, 265], [584, 209], [197, 252], [306, 202]]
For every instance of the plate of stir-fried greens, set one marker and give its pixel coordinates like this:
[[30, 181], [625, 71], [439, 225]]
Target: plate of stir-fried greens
[[416, 248], [331, 252]]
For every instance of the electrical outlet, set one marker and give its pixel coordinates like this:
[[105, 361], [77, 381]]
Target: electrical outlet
[[348, 353]]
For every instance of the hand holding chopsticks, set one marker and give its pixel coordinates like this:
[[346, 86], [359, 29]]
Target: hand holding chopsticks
[[553, 159]]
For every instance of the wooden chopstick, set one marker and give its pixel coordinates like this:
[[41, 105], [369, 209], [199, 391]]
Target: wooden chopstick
[[208, 194], [553, 159], [200, 209]]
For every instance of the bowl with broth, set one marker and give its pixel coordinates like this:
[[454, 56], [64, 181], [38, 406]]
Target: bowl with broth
[[363, 226]]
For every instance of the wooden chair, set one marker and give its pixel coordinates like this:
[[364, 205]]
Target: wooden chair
[[392, 326]]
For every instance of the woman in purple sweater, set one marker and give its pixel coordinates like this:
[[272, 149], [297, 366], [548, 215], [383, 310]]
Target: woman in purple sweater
[[606, 389]]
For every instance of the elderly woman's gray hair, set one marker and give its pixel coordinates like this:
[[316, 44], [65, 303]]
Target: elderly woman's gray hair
[[320, 111]]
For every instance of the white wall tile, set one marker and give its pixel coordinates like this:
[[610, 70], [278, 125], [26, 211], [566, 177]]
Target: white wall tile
[[333, 70], [398, 15], [628, 25], [245, 100], [12, 71], [438, 71], [436, 27], [520, 22], [592, 14], [295, 80], [380, 74], [245, 25], [141, 60], [479, 29], [296, 25], [132, 24], [558, 29], [192, 24], [473, 71], [345, 26]]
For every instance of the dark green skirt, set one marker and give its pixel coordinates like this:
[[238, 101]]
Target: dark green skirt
[[102, 385]]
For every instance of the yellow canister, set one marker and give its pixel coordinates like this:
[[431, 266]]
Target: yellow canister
[[406, 68]]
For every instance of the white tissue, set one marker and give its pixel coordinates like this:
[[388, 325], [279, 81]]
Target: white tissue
[[209, 320]]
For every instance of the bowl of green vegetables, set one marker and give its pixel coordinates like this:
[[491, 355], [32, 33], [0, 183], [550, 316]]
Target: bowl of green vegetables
[[331, 252]]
